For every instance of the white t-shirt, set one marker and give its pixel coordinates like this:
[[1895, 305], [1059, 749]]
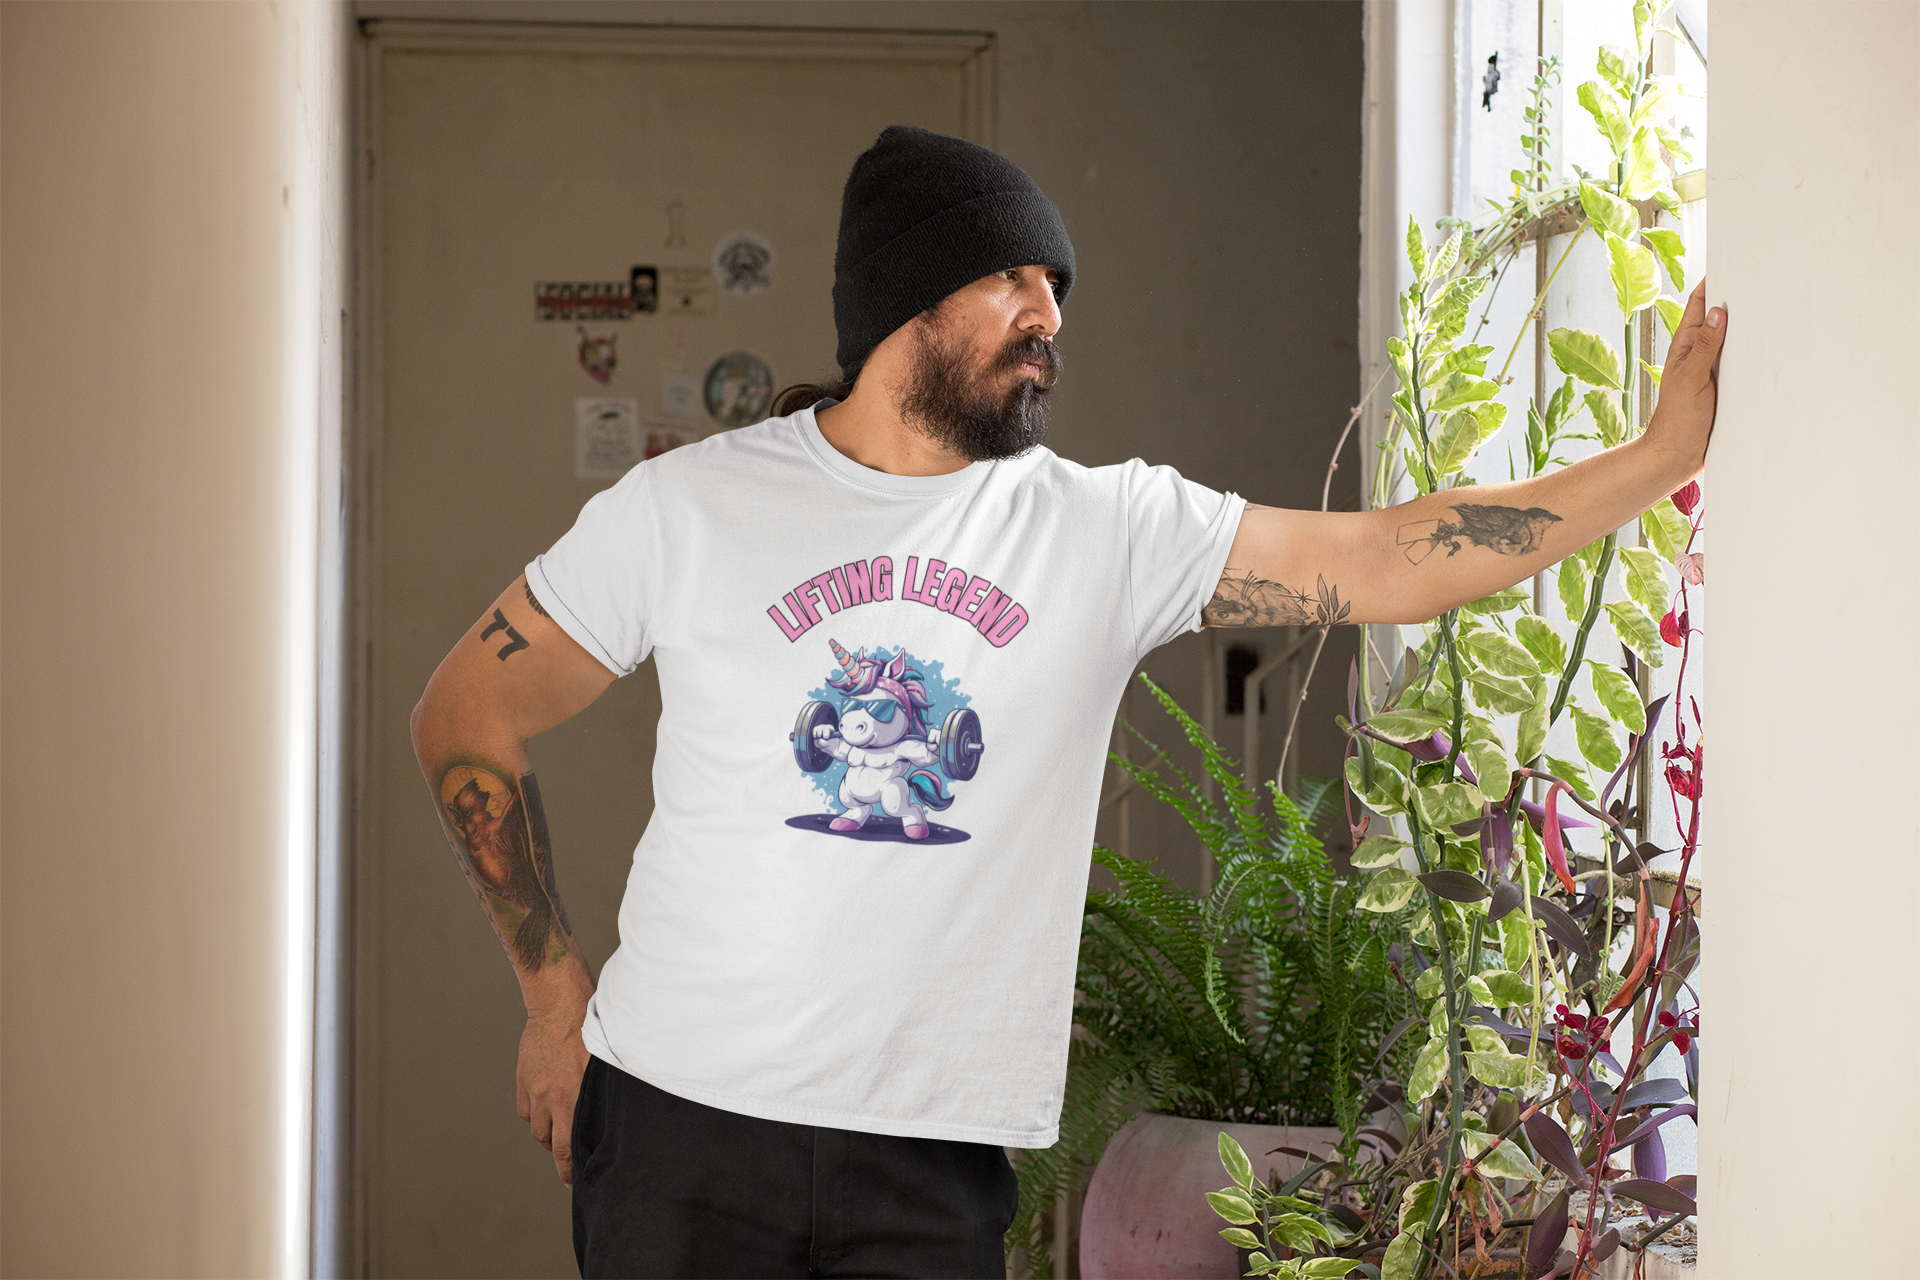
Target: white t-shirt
[[788, 948]]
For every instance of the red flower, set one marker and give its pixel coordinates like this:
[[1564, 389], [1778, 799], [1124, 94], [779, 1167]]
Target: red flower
[[1571, 1048], [1682, 1041], [1682, 782], [1688, 498], [1673, 628], [1667, 1020]]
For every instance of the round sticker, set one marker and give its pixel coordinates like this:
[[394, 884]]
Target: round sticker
[[743, 262], [739, 387]]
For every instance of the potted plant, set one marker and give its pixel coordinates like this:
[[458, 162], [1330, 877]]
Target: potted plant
[[1556, 974], [1264, 1007]]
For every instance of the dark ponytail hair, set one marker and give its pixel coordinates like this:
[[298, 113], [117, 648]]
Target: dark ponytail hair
[[804, 394]]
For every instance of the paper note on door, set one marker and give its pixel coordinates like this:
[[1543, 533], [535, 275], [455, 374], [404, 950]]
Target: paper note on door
[[687, 291], [606, 437], [680, 394]]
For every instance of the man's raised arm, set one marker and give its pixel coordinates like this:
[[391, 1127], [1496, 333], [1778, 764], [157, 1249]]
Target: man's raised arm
[[1415, 561], [515, 674]]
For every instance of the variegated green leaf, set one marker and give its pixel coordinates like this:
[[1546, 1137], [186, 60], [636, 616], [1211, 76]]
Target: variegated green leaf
[[1542, 641], [1233, 1158], [1491, 763], [1645, 173], [1427, 1070], [1595, 736], [1378, 851], [1608, 212], [1635, 274], [1500, 654], [1636, 630], [1387, 796], [1584, 354], [1498, 602], [1234, 1208], [1666, 529], [1606, 417], [1618, 695], [1646, 576], [1670, 313], [1402, 1260], [1673, 253], [1407, 726], [1573, 588], [1446, 803], [1502, 695], [1608, 112], [1462, 389], [1389, 890]]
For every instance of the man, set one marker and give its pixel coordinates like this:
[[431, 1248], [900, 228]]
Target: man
[[843, 987]]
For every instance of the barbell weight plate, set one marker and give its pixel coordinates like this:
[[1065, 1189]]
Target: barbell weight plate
[[960, 744], [808, 753]]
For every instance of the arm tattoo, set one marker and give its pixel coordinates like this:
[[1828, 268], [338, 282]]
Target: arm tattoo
[[515, 641], [500, 837], [1245, 600], [534, 601], [1506, 531]]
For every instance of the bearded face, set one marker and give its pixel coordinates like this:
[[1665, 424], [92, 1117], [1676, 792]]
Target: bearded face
[[979, 406]]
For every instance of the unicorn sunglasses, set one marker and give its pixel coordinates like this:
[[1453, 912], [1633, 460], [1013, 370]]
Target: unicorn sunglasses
[[880, 709]]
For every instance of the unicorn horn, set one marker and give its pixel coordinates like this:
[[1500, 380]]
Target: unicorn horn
[[846, 659]]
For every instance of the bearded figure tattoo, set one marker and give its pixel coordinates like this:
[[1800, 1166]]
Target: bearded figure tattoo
[[500, 837], [1505, 531]]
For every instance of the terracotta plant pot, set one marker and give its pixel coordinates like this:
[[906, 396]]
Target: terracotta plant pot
[[1147, 1215]]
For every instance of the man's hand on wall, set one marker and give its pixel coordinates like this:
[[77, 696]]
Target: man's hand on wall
[[1689, 385]]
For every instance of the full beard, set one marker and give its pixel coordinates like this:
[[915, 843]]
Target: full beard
[[959, 406]]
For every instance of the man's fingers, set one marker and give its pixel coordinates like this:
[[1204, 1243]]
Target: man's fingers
[[1696, 312], [563, 1163], [1692, 321], [542, 1124]]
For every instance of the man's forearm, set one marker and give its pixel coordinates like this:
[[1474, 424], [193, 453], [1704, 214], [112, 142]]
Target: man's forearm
[[1413, 562], [490, 809], [1458, 545]]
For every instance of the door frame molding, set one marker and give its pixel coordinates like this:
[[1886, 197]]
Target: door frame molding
[[348, 1244]]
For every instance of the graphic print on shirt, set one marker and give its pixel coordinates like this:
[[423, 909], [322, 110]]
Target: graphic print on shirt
[[870, 740]]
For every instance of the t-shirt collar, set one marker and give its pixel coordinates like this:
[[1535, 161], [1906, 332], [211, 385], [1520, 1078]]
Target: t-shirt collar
[[880, 481]]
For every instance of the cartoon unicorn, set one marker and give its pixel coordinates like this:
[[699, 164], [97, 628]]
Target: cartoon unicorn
[[884, 738]]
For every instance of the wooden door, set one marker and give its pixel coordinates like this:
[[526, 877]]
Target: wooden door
[[499, 158]]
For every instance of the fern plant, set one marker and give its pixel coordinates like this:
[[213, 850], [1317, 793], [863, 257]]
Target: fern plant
[[1265, 1001]]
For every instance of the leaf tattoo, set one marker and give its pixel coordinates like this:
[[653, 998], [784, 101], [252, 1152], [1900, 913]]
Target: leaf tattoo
[[1248, 600]]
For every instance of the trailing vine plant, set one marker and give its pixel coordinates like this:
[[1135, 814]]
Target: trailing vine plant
[[1533, 945]]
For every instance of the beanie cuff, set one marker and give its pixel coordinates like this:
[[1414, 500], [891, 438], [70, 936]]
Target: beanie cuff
[[920, 267]]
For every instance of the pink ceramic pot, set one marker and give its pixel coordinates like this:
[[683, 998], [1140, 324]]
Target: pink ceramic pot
[[1147, 1215]]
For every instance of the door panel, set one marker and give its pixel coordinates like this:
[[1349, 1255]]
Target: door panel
[[500, 157]]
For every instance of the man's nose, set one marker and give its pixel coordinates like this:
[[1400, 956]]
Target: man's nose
[[1041, 313]]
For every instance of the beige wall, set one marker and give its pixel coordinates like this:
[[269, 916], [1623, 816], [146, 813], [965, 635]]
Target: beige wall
[[1809, 1143], [167, 247]]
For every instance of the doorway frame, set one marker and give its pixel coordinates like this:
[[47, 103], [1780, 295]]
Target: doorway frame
[[344, 1193]]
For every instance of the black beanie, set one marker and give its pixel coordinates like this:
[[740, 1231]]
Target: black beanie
[[923, 215]]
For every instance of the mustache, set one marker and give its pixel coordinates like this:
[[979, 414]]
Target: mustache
[[1032, 349]]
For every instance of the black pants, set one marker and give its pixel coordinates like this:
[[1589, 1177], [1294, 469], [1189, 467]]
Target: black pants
[[671, 1188]]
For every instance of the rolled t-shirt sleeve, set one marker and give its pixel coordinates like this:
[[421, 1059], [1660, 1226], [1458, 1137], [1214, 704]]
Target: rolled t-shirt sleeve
[[1178, 536], [600, 580]]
